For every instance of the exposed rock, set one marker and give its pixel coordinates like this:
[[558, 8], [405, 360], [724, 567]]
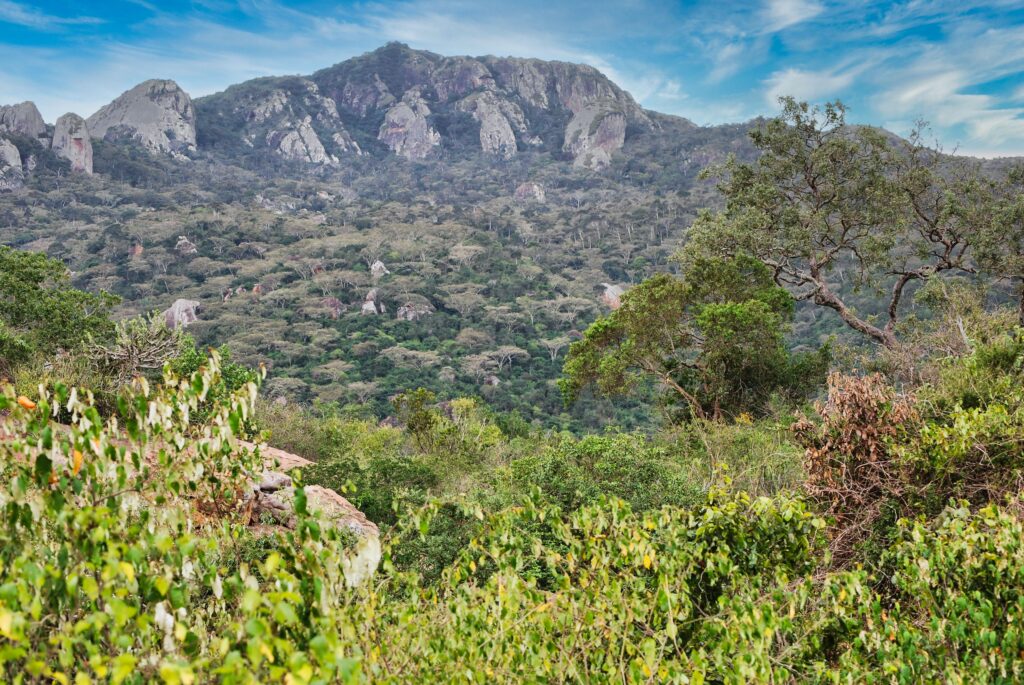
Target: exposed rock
[[277, 505], [334, 306], [363, 99], [158, 114], [300, 144], [344, 143], [285, 114], [272, 481], [496, 117], [492, 381], [181, 313], [457, 76], [408, 86], [378, 270], [185, 247], [11, 174], [23, 119], [612, 295], [372, 306], [406, 130], [72, 142], [530, 191], [594, 133], [411, 311]]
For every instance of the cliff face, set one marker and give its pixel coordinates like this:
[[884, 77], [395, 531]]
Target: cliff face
[[405, 100], [287, 117], [71, 141], [22, 119], [157, 114], [11, 174]]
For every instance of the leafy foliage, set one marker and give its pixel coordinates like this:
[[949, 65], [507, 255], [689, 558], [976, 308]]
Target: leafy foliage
[[40, 311], [715, 338]]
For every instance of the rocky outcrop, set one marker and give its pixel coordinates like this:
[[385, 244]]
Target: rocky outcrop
[[414, 310], [289, 115], [406, 130], [12, 176], [612, 295], [496, 118], [594, 134], [72, 142], [272, 502], [378, 270], [181, 313], [415, 101], [300, 144], [372, 305], [530, 191], [185, 247], [22, 119], [158, 114]]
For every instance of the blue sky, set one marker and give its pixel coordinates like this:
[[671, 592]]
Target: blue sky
[[958, 64]]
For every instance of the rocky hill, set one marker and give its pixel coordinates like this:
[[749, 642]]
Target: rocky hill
[[401, 219], [416, 104]]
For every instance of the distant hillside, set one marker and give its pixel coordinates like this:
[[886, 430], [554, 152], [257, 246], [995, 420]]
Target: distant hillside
[[400, 219]]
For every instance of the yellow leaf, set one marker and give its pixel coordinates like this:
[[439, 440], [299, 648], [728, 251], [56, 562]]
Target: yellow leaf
[[26, 403], [647, 561], [267, 652], [6, 622], [128, 570], [76, 464]]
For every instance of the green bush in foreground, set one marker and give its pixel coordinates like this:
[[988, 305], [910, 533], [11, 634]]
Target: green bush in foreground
[[125, 558]]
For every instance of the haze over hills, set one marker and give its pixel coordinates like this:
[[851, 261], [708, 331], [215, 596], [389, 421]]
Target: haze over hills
[[399, 219]]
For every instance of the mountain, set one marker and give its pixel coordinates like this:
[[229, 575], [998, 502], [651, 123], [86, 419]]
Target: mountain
[[158, 114], [398, 220], [416, 104]]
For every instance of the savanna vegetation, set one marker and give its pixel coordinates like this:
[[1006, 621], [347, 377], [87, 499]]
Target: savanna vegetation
[[834, 508]]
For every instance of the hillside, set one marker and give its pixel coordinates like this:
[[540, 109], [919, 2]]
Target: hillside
[[498, 195]]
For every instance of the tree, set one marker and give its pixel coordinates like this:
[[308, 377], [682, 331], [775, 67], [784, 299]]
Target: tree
[[40, 312], [715, 339], [555, 345], [1000, 249], [824, 195]]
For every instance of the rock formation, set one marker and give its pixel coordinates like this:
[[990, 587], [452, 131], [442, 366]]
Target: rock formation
[[300, 144], [378, 270], [158, 114], [334, 306], [23, 119], [272, 500], [181, 313], [414, 310], [12, 176], [372, 305], [612, 295], [185, 247], [405, 129], [284, 114], [72, 142], [594, 133], [496, 118]]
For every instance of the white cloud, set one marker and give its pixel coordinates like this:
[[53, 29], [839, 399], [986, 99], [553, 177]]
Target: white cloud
[[782, 14], [25, 15], [807, 85]]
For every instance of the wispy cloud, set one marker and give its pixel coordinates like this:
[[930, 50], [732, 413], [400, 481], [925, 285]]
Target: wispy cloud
[[782, 14], [28, 16]]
